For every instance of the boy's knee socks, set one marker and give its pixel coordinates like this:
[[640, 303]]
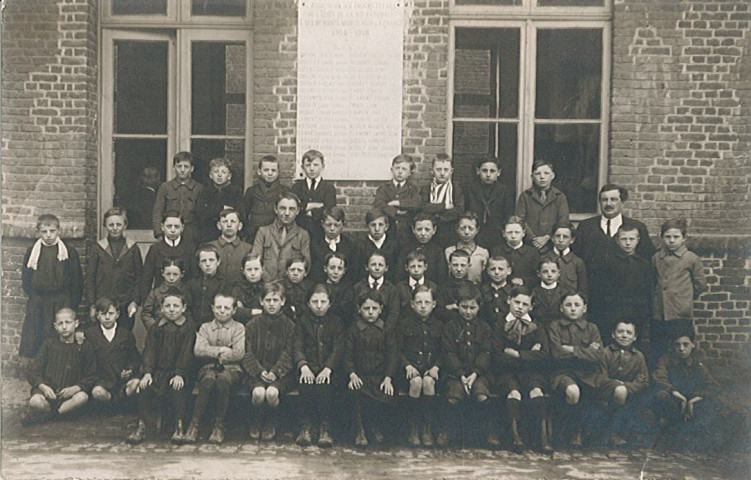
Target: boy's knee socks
[[512, 406], [538, 408]]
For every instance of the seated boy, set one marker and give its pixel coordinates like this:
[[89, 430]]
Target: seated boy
[[315, 193], [423, 240], [219, 194], [117, 357], [466, 344], [623, 381], [276, 243], [688, 396], [575, 347], [261, 197], [62, 372], [399, 198], [231, 248], [443, 198], [416, 266], [201, 290], [219, 348], [270, 340], [181, 195]]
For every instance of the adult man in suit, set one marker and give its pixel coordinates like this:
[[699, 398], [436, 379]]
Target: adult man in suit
[[595, 242]]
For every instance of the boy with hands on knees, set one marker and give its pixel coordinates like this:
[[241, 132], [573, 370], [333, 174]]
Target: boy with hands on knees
[[270, 340], [419, 335]]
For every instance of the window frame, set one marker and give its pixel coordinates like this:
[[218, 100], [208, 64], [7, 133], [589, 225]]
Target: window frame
[[178, 14], [526, 120], [178, 134]]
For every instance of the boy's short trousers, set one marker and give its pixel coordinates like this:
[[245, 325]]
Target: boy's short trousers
[[402, 384], [523, 382], [284, 384], [232, 375], [455, 389], [118, 389], [55, 404]]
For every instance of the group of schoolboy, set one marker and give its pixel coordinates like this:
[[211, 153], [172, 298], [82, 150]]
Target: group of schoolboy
[[452, 292]]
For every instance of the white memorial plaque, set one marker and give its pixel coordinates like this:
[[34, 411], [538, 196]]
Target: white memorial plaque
[[349, 85]]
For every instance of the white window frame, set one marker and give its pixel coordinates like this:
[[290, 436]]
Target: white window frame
[[178, 14], [178, 133], [526, 120]]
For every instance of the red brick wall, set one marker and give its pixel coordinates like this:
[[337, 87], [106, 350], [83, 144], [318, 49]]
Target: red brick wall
[[49, 143], [425, 83], [680, 141]]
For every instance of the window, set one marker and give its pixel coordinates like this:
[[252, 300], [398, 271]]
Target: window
[[183, 86], [530, 83]]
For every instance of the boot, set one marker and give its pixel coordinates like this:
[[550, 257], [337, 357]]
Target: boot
[[414, 434], [491, 439], [377, 435], [178, 436], [546, 433], [139, 435], [427, 435], [516, 439], [269, 430], [361, 440], [617, 441], [305, 438], [324, 437], [577, 440], [217, 434], [191, 434], [254, 431]]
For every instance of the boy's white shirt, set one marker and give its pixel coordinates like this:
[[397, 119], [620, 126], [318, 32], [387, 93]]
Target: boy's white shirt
[[378, 243], [413, 282], [563, 253], [173, 243], [552, 286], [109, 334]]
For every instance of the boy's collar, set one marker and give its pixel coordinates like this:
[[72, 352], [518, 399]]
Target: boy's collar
[[362, 324], [681, 251], [216, 324], [190, 183], [526, 318], [223, 241], [179, 322], [552, 286], [581, 323], [172, 243]]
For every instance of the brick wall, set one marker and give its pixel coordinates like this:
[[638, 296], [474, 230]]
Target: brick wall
[[425, 82], [680, 140], [49, 144]]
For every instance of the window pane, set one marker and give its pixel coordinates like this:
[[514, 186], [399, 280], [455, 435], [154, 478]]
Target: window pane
[[218, 88], [474, 140], [574, 150], [569, 73], [139, 169], [486, 73], [140, 87], [489, 2], [139, 7], [204, 150], [570, 3], [223, 8]]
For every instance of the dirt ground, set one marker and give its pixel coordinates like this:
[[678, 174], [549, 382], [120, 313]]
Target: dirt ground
[[91, 446]]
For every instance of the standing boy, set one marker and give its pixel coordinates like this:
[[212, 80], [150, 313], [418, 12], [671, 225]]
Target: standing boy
[[542, 206], [377, 268], [573, 269], [423, 240], [399, 198], [201, 290], [315, 193], [261, 197], [490, 200], [220, 194], [231, 248], [443, 198], [278, 242], [179, 194], [52, 278], [172, 244], [496, 289]]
